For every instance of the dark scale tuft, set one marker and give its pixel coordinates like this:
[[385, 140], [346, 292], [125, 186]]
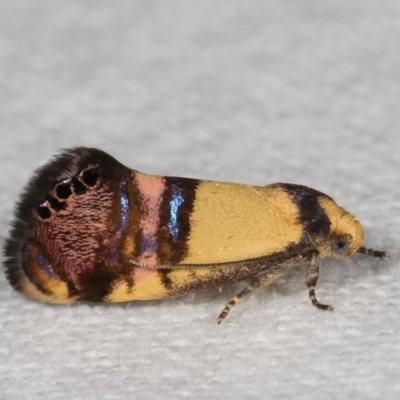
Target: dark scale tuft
[[77, 186], [56, 204], [43, 212], [62, 167], [63, 190], [89, 177]]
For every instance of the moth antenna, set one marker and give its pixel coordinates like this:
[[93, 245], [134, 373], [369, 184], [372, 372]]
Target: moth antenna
[[373, 253]]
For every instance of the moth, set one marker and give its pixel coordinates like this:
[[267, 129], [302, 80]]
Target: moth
[[87, 228]]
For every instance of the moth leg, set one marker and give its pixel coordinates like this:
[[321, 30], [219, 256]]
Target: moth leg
[[255, 284], [311, 281], [262, 279]]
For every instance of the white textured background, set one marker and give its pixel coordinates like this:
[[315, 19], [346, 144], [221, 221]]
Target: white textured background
[[251, 91]]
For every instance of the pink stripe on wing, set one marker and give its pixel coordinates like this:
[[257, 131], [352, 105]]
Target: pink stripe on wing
[[151, 189], [144, 273]]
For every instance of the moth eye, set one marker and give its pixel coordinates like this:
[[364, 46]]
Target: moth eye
[[340, 246], [89, 176], [63, 190]]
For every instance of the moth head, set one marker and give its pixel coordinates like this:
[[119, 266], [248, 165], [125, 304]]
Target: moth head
[[346, 235]]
